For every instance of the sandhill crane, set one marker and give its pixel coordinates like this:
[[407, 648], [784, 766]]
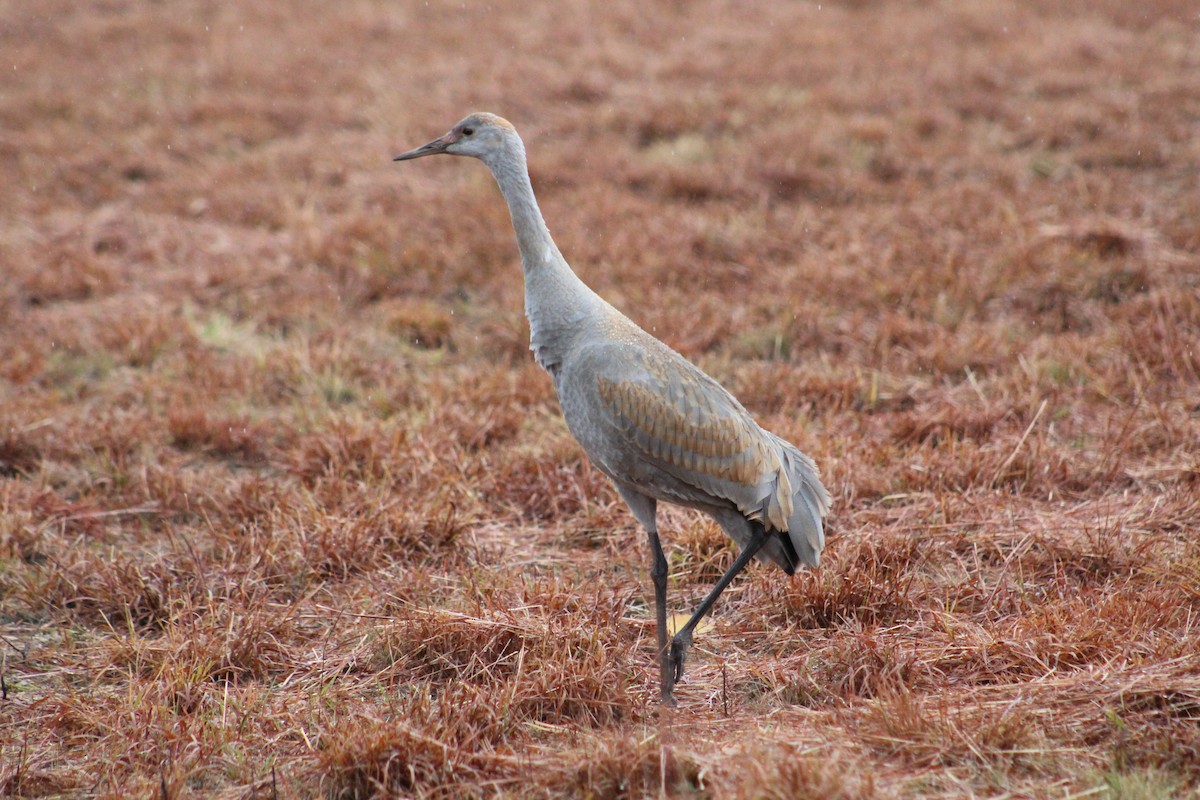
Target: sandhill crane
[[646, 417]]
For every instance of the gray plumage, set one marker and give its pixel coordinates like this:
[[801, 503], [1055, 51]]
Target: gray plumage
[[646, 417]]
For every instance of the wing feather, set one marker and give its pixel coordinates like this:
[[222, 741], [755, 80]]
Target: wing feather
[[686, 425], [651, 420]]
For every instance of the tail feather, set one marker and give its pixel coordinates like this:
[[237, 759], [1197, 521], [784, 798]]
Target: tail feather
[[810, 504], [790, 503]]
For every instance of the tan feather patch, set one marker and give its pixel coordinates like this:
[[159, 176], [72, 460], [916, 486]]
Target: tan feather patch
[[677, 431]]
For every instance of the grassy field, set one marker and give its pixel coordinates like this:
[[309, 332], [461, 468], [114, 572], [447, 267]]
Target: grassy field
[[287, 510]]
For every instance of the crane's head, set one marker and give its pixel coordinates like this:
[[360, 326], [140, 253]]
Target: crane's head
[[480, 135]]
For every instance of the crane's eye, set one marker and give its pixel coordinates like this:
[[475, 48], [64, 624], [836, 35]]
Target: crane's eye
[[468, 131]]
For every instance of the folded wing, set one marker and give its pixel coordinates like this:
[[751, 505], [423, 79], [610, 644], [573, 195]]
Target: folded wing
[[698, 446]]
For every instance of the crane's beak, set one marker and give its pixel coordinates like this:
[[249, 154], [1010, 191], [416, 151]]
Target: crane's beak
[[438, 145]]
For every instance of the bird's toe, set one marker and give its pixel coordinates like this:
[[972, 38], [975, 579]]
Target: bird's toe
[[679, 648]]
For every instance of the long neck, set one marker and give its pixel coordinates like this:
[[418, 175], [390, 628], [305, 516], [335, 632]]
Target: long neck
[[556, 300], [533, 237]]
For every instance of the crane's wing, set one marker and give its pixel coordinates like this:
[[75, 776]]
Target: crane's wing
[[678, 435]]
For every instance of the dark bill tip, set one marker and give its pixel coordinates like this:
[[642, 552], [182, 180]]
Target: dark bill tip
[[433, 148]]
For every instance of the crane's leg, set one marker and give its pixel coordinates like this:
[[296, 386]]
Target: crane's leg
[[644, 509], [658, 573], [683, 639]]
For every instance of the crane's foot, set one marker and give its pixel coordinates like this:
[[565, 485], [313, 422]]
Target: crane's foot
[[666, 677], [679, 647], [666, 683]]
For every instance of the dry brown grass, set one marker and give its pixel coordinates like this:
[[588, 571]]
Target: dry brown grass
[[287, 511]]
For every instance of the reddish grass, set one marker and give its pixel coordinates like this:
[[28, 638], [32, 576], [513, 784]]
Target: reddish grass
[[286, 509]]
